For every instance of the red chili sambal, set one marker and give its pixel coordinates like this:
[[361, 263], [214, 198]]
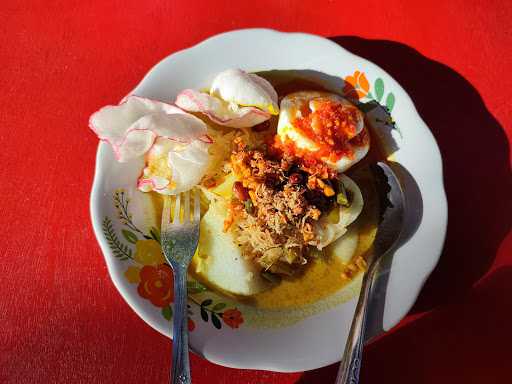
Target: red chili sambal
[[332, 126]]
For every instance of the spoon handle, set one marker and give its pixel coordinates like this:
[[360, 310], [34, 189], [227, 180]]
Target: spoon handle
[[350, 365]]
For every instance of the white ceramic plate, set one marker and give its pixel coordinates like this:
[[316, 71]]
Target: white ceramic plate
[[306, 339]]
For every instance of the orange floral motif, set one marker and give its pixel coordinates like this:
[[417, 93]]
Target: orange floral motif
[[156, 285], [233, 317], [357, 85]]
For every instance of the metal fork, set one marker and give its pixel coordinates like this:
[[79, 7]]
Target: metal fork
[[180, 235]]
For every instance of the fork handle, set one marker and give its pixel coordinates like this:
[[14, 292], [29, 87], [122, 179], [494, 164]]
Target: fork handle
[[180, 360], [350, 366]]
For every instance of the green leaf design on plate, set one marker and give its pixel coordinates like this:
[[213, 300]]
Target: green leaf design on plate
[[167, 313], [379, 89], [218, 307], [216, 322], [206, 302], [129, 236], [120, 250], [204, 314], [155, 234], [390, 101], [121, 202]]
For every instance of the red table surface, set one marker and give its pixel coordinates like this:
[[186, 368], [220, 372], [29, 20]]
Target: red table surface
[[62, 320]]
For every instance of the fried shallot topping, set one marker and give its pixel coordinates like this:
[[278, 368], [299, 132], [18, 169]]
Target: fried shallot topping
[[275, 204]]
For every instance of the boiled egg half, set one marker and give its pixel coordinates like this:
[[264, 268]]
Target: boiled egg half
[[324, 125]]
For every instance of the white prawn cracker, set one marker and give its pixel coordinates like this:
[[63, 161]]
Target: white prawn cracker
[[175, 142], [237, 99]]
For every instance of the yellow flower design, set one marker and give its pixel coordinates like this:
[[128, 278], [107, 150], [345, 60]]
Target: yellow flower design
[[148, 252], [132, 274]]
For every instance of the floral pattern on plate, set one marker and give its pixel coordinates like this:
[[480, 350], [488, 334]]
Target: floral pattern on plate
[[153, 276]]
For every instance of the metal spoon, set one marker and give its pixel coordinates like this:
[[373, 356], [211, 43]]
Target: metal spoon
[[386, 240]]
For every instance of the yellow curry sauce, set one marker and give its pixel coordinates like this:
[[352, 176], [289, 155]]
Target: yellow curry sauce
[[326, 275]]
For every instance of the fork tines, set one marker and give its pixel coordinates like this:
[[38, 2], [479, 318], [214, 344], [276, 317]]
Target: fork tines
[[177, 208]]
